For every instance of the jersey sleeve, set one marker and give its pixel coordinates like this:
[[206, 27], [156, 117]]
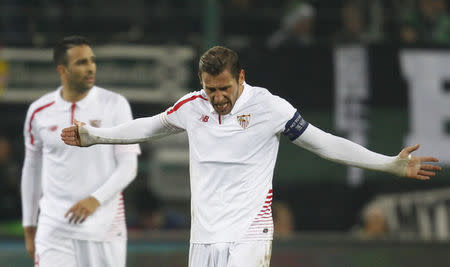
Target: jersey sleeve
[[31, 137], [176, 116], [31, 171], [124, 114], [288, 120]]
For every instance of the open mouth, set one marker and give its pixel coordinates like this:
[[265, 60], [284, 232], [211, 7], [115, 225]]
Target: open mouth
[[222, 107]]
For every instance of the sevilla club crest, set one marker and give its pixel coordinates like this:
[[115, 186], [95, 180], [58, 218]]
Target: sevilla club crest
[[244, 120]]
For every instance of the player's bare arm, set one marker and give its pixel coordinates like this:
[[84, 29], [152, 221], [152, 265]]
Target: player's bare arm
[[79, 212]]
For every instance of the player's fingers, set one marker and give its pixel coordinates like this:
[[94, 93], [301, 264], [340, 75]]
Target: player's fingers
[[421, 177], [430, 167], [411, 149], [426, 173], [72, 218], [69, 130], [428, 159], [77, 217], [83, 218], [78, 123], [69, 211]]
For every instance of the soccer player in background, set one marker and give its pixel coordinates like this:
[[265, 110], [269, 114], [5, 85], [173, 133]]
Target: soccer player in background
[[234, 130], [76, 193]]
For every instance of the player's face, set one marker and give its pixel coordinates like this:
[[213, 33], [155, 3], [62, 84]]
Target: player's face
[[223, 90], [81, 68]]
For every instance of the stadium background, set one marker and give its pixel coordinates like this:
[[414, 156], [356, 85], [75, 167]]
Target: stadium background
[[148, 50]]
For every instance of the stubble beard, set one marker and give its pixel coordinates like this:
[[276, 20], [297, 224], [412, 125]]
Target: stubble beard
[[81, 87]]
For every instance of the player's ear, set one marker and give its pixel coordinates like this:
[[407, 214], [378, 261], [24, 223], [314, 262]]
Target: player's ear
[[242, 77], [61, 69], [200, 78]]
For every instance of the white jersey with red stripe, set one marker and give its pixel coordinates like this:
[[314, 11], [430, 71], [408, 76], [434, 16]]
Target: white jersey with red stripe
[[232, 160], [70, 174]]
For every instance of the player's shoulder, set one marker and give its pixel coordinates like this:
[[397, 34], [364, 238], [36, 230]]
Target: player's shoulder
[[270, 101], [260, 94], [109, 97], [200, 95], [45, 100], [190, 101], [192, 98]]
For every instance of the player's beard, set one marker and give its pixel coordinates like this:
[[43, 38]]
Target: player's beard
[[80, 87]]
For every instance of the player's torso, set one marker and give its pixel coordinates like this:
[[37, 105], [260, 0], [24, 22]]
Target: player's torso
[[50, 123], [235, 137], [71, 172]]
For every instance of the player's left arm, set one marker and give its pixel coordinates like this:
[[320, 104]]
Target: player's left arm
[[123, 174], [344, 151]]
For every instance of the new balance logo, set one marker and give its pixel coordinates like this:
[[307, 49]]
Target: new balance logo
[[53, 128], [204, 118]]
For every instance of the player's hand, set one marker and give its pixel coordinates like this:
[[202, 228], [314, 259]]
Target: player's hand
[[416, 168], [71, 135], [30, 234], [82, 209]]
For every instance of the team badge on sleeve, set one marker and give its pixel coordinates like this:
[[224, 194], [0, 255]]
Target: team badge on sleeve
[[244, 120]]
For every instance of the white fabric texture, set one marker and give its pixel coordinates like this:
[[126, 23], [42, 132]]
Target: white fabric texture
[[54, 251], [31, 188], [248, 254]]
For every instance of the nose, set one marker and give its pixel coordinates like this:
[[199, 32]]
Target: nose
[[218, 96], [92, 67]]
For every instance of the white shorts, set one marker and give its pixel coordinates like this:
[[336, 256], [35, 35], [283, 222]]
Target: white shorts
[[54, 251], [248, 254]]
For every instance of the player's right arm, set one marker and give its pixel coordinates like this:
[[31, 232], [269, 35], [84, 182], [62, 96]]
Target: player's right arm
[[172, 121], [135, 131], [31, 188]]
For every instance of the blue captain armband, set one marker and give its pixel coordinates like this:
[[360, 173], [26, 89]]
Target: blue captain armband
[[295, 127]]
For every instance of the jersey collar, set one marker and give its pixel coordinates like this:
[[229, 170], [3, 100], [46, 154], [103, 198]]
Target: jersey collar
[[242, 99], [90, 97], [240, 102]]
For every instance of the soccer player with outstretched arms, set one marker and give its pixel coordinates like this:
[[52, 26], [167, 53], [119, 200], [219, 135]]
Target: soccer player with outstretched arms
[[234, 130]]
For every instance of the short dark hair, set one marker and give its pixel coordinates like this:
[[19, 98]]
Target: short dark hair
[[217, 59], [60, 49]]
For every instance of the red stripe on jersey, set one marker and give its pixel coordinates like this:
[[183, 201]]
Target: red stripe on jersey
[[32, 118], [177, 106]]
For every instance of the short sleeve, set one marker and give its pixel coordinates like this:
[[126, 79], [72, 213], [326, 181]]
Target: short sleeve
[[124, 114]]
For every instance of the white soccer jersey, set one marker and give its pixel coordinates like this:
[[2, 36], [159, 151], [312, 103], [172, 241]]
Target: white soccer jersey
[[70, 174], [232, 159]]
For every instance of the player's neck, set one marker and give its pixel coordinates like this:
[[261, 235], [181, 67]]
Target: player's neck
[[71, 95]]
